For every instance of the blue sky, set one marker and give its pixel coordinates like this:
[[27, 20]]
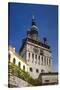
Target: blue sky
[[20, 17]]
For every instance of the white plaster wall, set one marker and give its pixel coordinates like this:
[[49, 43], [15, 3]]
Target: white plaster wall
[[18, 60], [46, 68]]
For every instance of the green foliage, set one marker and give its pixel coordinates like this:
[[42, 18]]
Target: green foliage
[[15, 70]]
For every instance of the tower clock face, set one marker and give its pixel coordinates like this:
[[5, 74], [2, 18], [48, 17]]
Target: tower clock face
[[35, 50]]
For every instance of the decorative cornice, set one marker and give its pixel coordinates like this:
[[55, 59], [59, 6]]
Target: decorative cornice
[[35, 42]]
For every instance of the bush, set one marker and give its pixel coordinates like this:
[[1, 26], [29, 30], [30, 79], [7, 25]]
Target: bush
[[16, 71]]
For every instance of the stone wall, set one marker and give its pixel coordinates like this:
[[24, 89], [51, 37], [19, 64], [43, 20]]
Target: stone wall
[[14, 81], [49, 78]]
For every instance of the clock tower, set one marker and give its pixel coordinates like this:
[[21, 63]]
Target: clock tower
[[36, 53]]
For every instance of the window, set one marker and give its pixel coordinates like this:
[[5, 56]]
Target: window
[[19, 64], [29, 55], [31, 69], [24, 67], [47, 61], [37, 70], [44, 60], [9, 56], [14, 61], [36, 58], [46, 80], [32, 57], [41, 52], [41, 60]]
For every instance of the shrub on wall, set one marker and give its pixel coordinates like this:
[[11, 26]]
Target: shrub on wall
[[16, 71]]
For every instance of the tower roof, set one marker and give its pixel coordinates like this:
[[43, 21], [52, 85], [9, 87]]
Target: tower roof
[[33, 33], [33, 20], [34, 27]]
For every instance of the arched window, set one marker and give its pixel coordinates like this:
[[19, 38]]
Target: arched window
[[37, 70], [31, 69], [14, 60], [19, 64], [9, 56], [24, 67]]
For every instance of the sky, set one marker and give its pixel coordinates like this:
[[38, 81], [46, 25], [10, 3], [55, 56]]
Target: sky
[[19, 21]]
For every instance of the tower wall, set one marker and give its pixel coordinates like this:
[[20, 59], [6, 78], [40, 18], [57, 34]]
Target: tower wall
[[42, 65]]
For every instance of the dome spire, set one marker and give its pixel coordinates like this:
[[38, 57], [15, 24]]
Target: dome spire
[[33, 20], [33, 17]]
